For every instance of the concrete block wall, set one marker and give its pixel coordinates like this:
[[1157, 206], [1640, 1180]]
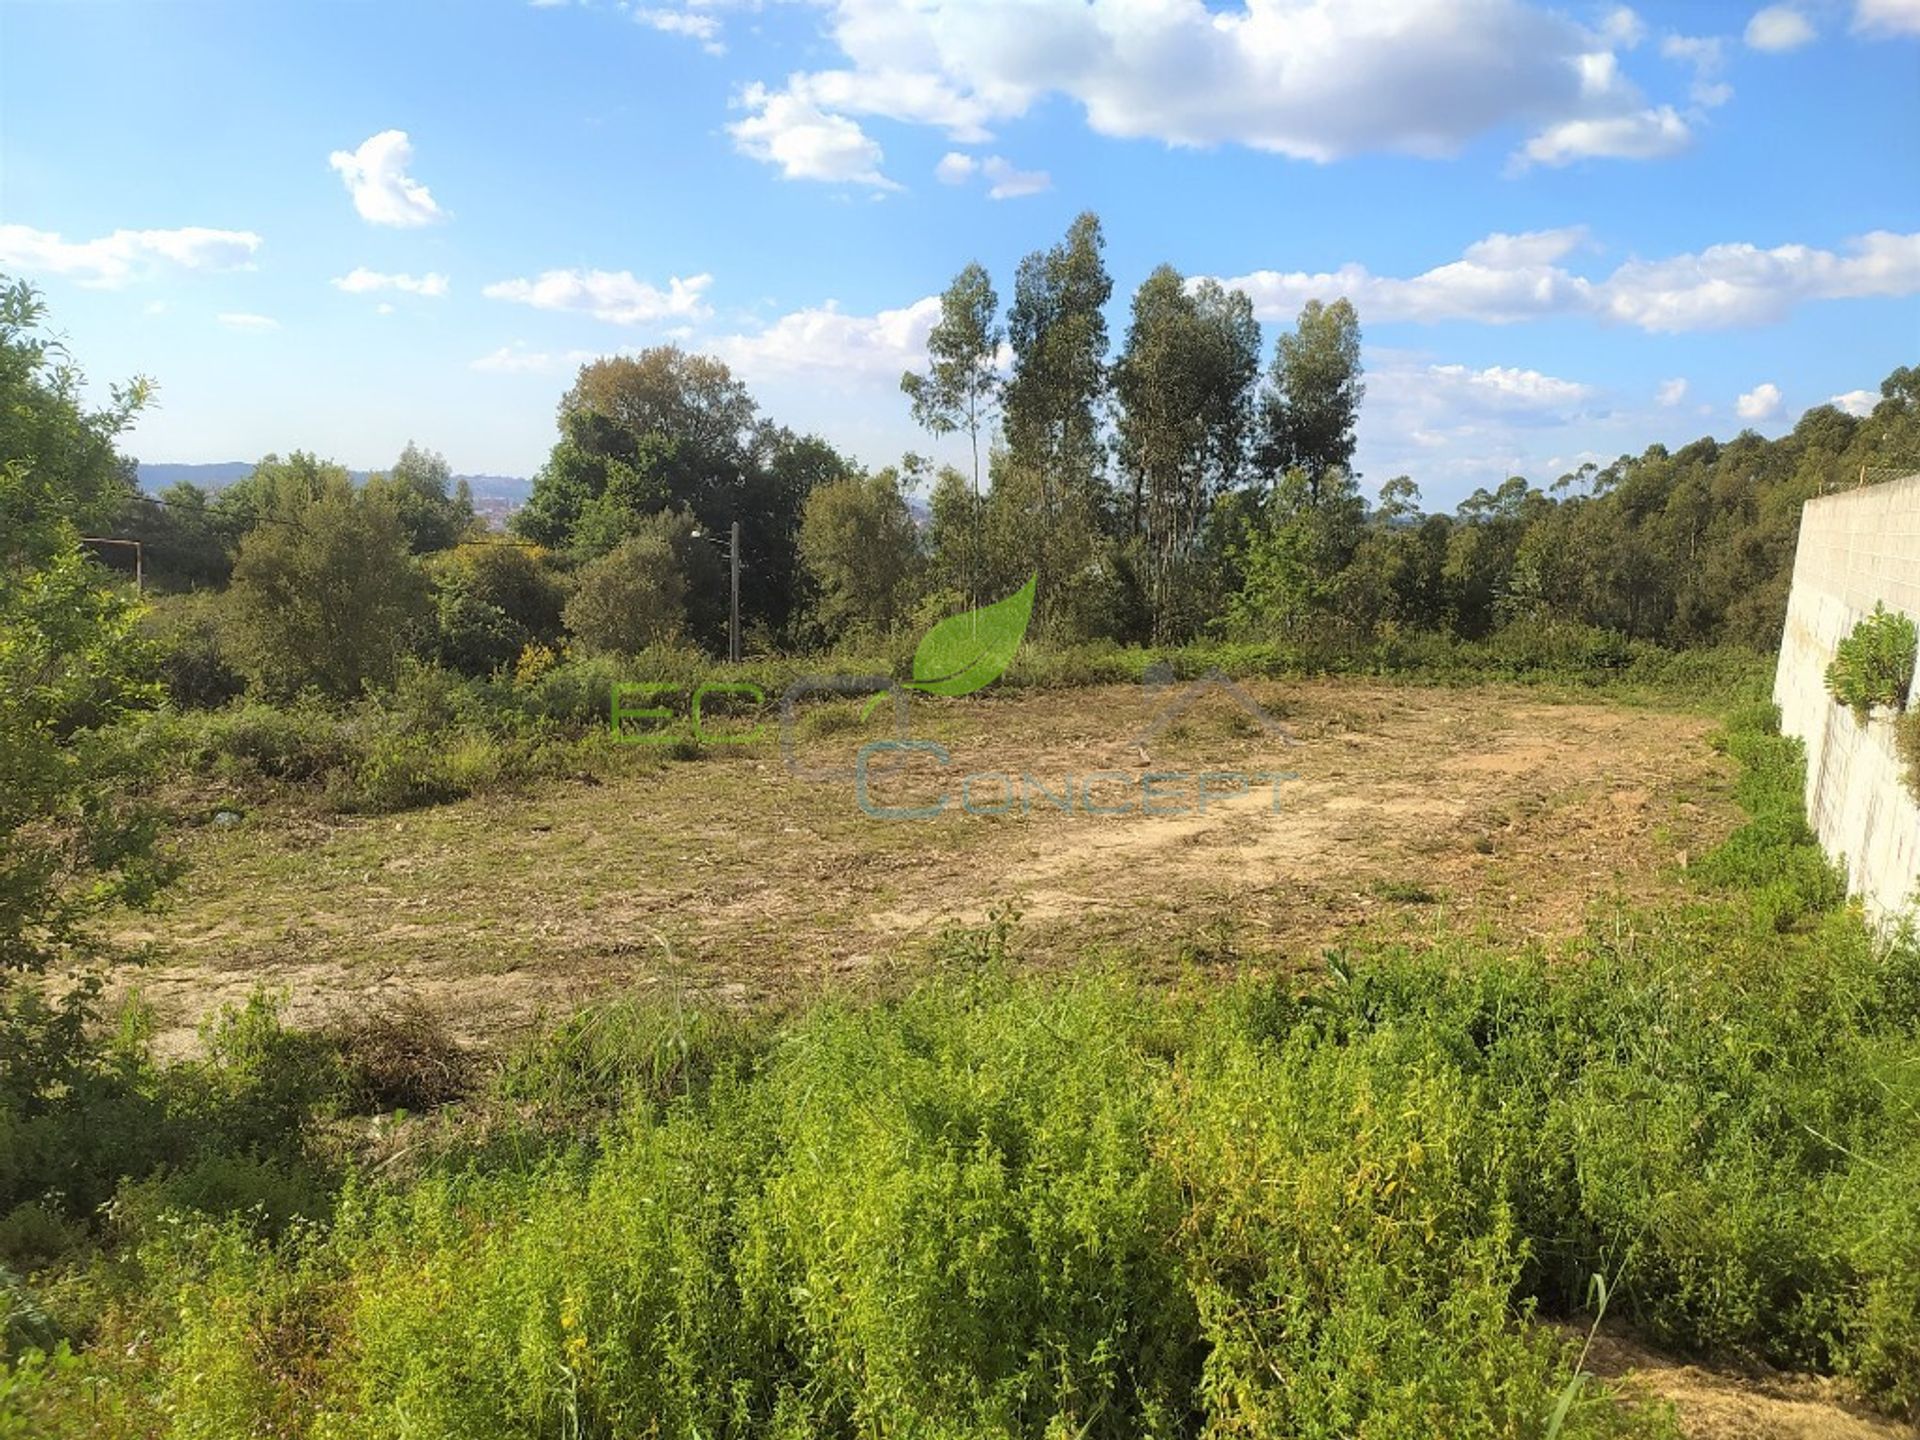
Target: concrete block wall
[[1856, 548]]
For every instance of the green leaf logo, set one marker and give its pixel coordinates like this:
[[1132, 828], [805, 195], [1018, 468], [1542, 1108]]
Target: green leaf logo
[[971, 650]]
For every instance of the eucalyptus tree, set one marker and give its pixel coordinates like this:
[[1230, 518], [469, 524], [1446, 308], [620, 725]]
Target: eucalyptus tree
[[1184, 384], [961, 387], [1312, 396], [1054, 405]]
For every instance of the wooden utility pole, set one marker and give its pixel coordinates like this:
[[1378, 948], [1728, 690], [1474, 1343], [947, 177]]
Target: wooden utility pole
[[733, 623]]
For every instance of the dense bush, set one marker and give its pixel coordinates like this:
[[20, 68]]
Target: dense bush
[[84, 1111], [190, 636]]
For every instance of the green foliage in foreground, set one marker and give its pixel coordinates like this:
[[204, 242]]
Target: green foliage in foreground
[[1874, 664], [1012, 1206]]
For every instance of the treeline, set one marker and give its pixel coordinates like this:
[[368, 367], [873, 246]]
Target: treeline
[[1176, 490]]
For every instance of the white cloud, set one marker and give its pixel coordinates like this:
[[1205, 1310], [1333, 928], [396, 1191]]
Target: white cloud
[[253, 323], [1505, 278], [1856, 402], [1465, 426], [690, 23], [1707, 55], [1510, 390], [512, 359], [1005, 180], [362, 281], [1703, 52], [955, 168], [376, 176], [824, 341], [806, 142], [1778, 27], [1306, 78], [1727, 285], [1624, 28], [113, 260], [1759, 403], [611, 295], [1641, 135], [1896, 17], [1671, 392]]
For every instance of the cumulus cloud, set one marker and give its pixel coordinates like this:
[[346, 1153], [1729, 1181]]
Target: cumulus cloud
[[376, 177], [1304, 78], [806, 142], [955, 168], [693, 24], [1856, 402], [1888, 17], [1410, 393], [1507, 278], [1707, 55], [826, 341], [1641, 135], [1005, 180], [611, 295], [1623, 27], [1460, 425], [1778, 27], [1759, 403], [362, 281], [254, 323], [1671, 392], [125, 255]]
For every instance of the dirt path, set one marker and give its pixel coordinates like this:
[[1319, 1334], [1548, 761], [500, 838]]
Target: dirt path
[[1723, 1405]]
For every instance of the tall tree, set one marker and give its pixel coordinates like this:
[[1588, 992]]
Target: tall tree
[[961, 386], [962, 383], [1184, 382], [1054, 402], [1312, 396]]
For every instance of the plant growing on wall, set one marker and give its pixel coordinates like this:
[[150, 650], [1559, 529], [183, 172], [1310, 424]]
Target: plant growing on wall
[[1874, 665], [1907, 733]]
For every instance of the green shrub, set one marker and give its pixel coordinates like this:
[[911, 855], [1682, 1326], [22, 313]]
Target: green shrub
[[1874, 664], [197, 667], [1907, 736]]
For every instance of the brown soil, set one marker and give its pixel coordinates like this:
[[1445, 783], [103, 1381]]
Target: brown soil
[[1414, 809], [1742, 1405]]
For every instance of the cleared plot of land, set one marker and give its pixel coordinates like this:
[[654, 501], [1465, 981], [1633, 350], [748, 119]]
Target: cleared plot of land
[[727, 875]]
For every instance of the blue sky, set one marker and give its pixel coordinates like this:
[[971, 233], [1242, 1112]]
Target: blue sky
[[1569, 230]]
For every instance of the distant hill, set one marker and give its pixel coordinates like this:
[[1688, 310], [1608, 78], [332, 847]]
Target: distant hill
[[219, 474], [216, 476]]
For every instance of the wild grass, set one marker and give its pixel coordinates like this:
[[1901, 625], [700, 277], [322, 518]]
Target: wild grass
[[437, 736], [1001, 1204]]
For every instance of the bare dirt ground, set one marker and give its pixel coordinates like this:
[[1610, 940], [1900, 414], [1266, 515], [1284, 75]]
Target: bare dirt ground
[[726, 875], [1414, 811], [1756, 1405]]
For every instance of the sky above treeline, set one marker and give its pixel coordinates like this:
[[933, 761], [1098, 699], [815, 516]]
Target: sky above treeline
[[1570, 230]]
